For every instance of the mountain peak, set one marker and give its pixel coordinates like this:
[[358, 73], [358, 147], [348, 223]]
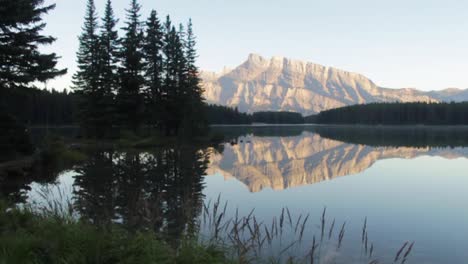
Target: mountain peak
[[255, 57], [283, 84]]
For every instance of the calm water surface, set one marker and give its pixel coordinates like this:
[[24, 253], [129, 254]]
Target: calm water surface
[[411, 184]]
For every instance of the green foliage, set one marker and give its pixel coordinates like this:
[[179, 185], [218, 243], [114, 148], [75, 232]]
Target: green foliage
[[396, 114], [29, 238], [152, 49], [156, 82], [175, 95], [94, 95], [194, 121], [20, 28], [397, 136], [129, 99], [223, 115], [108, 60], [218, 114], [14, 138], [277, 118], [32, 106], [109, 45], [55, 150]]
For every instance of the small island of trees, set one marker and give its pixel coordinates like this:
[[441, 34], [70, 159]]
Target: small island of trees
[[146, 77]]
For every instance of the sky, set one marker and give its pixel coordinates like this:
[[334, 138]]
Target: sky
[[419, 44]]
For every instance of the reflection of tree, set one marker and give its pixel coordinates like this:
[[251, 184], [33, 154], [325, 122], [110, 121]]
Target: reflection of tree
[[97, 188], [16, 176], [159, 190], [415, 137]]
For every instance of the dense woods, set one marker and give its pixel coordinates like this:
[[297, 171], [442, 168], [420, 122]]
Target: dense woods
[[35, 107], [223, 115], [396, 114], [277, 117], [22, 64], [147, 76]]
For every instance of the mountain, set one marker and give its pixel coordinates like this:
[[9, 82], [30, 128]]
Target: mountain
[[281, 84], [450, 94], [286, 162]]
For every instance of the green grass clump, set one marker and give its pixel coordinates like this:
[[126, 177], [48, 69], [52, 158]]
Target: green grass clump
[[26, 237]]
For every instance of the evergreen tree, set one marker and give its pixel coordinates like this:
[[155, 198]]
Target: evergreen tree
[[195, 118], [129, 97], [87, 79], [108, 61], [177, 96], [153, 71], [170, 83], [21, 62], [184, 106]]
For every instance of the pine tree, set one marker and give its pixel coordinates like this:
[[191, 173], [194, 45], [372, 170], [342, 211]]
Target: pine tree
[[195, 114], [169, 80], [175, 97], [21, 62], [129, 97], [87, 79], [153, 71], [108, 63], [109, 49], [191, 57]]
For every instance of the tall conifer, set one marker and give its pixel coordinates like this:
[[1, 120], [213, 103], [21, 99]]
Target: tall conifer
[[21, 62], [108, 64], [109, 40], [130, 99], [174, 98], [196, 115], [154, 68], [87, 79]]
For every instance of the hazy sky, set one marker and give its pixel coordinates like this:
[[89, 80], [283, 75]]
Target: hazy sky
[[400, 43]]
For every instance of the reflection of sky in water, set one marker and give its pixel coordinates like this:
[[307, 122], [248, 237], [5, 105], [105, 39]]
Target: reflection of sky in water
[[421, 199], [41, 195]]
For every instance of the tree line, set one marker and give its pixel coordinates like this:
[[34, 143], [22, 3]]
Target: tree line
[[396, 114], [271, 117], [147, 76], [224, 115], [42, 107], [36, 107], [22, 65]]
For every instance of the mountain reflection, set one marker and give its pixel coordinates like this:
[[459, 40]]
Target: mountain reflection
[[314, 154], [162, 189]]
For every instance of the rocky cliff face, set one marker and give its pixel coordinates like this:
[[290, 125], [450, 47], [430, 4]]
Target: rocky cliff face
[[284, 162], [281, 84]]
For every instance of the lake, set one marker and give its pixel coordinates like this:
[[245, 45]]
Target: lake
[[403, 184]]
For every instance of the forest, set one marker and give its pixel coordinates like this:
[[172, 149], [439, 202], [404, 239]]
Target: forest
[[418, 113], [148, 76], [143, 74], [41, 107]]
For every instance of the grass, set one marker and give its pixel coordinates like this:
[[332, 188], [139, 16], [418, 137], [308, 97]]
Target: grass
[[26, 237], [52, 233], [285, 238]]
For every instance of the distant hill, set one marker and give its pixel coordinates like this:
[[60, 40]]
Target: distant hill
[[281, 84]]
